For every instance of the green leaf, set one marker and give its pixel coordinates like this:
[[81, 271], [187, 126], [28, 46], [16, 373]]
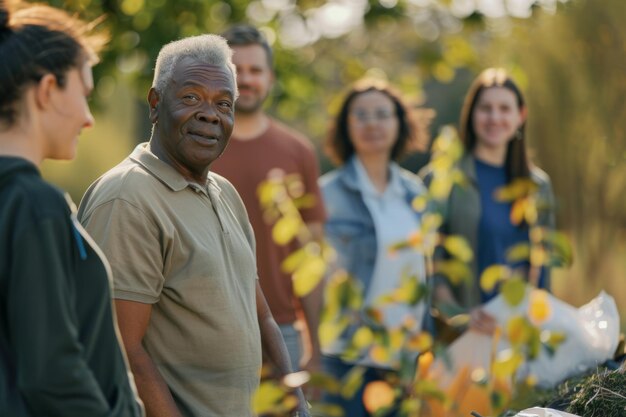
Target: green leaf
[[455, 270], [352, 381], [513, 290]]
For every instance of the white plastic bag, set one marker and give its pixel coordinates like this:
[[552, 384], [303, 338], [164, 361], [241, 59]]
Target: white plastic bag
[[592, 333]]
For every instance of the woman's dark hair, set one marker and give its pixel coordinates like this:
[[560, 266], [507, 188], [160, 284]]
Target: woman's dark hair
[[244, 35], [516, 163], [338, 145], [36, 40]]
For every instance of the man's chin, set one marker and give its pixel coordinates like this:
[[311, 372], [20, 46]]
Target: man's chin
[[248, 108]]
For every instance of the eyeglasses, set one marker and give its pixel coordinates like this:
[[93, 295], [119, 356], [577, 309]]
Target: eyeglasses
[[363, 117]]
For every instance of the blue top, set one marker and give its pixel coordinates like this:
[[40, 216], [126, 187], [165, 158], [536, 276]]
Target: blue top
[[496, 233]]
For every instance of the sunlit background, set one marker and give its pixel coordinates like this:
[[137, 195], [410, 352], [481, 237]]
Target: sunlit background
[[569, 57]]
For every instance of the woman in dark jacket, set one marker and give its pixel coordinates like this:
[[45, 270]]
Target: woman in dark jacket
[[59, 350]]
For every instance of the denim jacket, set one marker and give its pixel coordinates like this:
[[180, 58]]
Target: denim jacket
[[350, 226]]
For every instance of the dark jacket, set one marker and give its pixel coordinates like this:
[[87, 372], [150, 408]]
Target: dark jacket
[[59, 352], [461, 216]]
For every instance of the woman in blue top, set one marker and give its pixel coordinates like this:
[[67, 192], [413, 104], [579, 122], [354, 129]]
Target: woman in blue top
[[368, 201], [492, 129]]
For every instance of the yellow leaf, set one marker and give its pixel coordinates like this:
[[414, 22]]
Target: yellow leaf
[[420, 203], [267, 192], [538, 256], [518, 330], [424, 362], [308, 276], [266, 397], [519, 188], [513, 290], [492, 275], [518, 210], [539, 309], [456, 271], [519, 252], [530, 215], [458, 247], [380, 354], [421, 342], [507, 363], [396, 339], [293, 261], [285, 229], [440, 187], [329, 331], [362, 338], [378, 395]]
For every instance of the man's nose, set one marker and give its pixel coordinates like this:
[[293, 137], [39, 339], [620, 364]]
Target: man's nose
[[207, 114]]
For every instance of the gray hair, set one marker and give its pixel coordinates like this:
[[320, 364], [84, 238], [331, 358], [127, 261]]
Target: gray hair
[[207, 49]]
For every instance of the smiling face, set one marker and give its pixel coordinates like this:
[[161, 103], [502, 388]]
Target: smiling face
[[193, 116], [254, 77], [373, 124], [496, 117], [68, 113]]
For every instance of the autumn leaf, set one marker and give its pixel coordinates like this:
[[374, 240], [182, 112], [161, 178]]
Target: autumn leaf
[[458, 247], [506, 364], [492, 275], [378, 395], [308, 276], [539, 309], [285, 229], [518, 330]]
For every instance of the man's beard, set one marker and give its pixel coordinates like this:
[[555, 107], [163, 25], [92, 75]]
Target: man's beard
[[253, 107]]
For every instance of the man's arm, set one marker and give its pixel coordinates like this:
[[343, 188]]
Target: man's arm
[[274, 348], [133, 318]]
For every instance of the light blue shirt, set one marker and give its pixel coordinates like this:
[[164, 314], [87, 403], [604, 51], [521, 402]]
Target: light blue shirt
[[394, 221]]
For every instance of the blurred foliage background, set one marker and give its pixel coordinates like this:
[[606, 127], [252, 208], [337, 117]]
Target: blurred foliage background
[[568, 55]]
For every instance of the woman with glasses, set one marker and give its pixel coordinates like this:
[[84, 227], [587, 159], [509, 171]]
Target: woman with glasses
[[368, 199]]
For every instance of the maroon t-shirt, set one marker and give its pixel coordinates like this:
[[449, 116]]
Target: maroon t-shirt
[[247, 163]]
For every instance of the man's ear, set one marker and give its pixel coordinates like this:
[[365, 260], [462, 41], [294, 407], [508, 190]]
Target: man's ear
[[44, 89], [153, 101]]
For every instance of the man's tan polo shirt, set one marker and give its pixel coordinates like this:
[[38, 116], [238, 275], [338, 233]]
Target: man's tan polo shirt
[[188, 251]]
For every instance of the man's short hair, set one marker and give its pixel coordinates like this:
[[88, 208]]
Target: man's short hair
[[244, 35], [206, 49]]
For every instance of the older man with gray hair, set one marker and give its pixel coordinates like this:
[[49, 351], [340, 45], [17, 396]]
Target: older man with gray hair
[[192, 316]]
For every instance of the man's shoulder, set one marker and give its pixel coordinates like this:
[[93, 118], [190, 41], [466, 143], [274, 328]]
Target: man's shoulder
[[128, 181], [289, 135]]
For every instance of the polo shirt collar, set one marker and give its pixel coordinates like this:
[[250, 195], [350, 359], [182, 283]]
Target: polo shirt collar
[[165, 172]]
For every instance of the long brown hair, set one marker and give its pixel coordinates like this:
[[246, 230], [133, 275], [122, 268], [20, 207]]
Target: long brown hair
[[516, 163]]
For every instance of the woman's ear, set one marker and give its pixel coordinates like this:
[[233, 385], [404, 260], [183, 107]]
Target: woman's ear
[[523, 114], [153, 102], [44, 89]]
